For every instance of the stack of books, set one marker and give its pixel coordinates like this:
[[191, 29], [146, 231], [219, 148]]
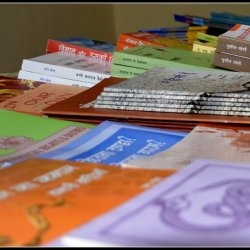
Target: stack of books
[[233, 49], [132, 62], [169, 90], [64, 68], [205, 43]]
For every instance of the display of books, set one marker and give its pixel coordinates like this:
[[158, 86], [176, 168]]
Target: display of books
[[81, 108]]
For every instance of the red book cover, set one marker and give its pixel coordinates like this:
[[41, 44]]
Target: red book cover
[[138, 38], [81, 48]]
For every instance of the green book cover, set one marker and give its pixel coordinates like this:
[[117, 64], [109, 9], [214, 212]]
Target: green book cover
[[147, 57], [125, 71], [23, 135]]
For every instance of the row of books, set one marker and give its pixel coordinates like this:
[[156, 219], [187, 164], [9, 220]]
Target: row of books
[[131, 134]]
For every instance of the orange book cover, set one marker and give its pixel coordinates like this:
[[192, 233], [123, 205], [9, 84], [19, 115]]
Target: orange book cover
[[11, 87], [139, 38], [35, 100], [42, 199]]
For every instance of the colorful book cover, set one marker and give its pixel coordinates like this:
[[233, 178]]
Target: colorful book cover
[[42, 199], [210, 142], [35, 100], [82, 46], [71, 66], [147, 57], [204, 204], [24, 135], [235, 41], [115, 143], [11, 87]]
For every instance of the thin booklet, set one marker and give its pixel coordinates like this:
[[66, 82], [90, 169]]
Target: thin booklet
[[115, 143]]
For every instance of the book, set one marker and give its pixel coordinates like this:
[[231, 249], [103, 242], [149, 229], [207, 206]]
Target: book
[[207, 38], [11, 87], [82, 46], [235, 41], [162, 80], [121, 71], [80, 108], [231, 62], [230, 15], [202, 47], [200, 205], [42, 199], [147, 57], [135, 39], [71, 66], [115, 143], [24, 135], [35, 100], [173, 43], [27, 75], [209, 142]]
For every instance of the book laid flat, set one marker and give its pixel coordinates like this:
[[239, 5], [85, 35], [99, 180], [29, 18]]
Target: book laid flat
[[116, 143], [147, 57], [82, 46], [203, 204], [70, 66], [11, 87], [204, 141], [42, 199], [80, 108], [27, 75], [235, 41], [193, 86], [35, 100], [24, 135]]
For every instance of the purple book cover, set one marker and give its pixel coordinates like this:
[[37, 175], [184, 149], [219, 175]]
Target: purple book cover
[[204, 204]]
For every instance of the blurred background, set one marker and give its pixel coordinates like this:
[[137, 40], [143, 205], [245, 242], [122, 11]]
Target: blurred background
[[26, 27]]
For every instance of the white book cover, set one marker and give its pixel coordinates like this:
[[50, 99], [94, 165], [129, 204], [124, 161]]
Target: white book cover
[[239, 31], [223, 144], [22, 74], [71, 66]]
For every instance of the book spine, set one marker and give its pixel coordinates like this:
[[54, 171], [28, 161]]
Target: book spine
[[122, 46], [236, 17], [203, 48], [207, 38], [55, 46], [64, 72], [22, 74], [232, 62], [233, 46], [125, 72], [134, 41]]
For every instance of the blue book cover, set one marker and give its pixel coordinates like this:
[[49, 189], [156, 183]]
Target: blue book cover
[[115, 143]]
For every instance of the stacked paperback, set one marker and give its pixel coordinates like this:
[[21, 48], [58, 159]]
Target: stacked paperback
[[183, 91], [65, 68], [233, 48]]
